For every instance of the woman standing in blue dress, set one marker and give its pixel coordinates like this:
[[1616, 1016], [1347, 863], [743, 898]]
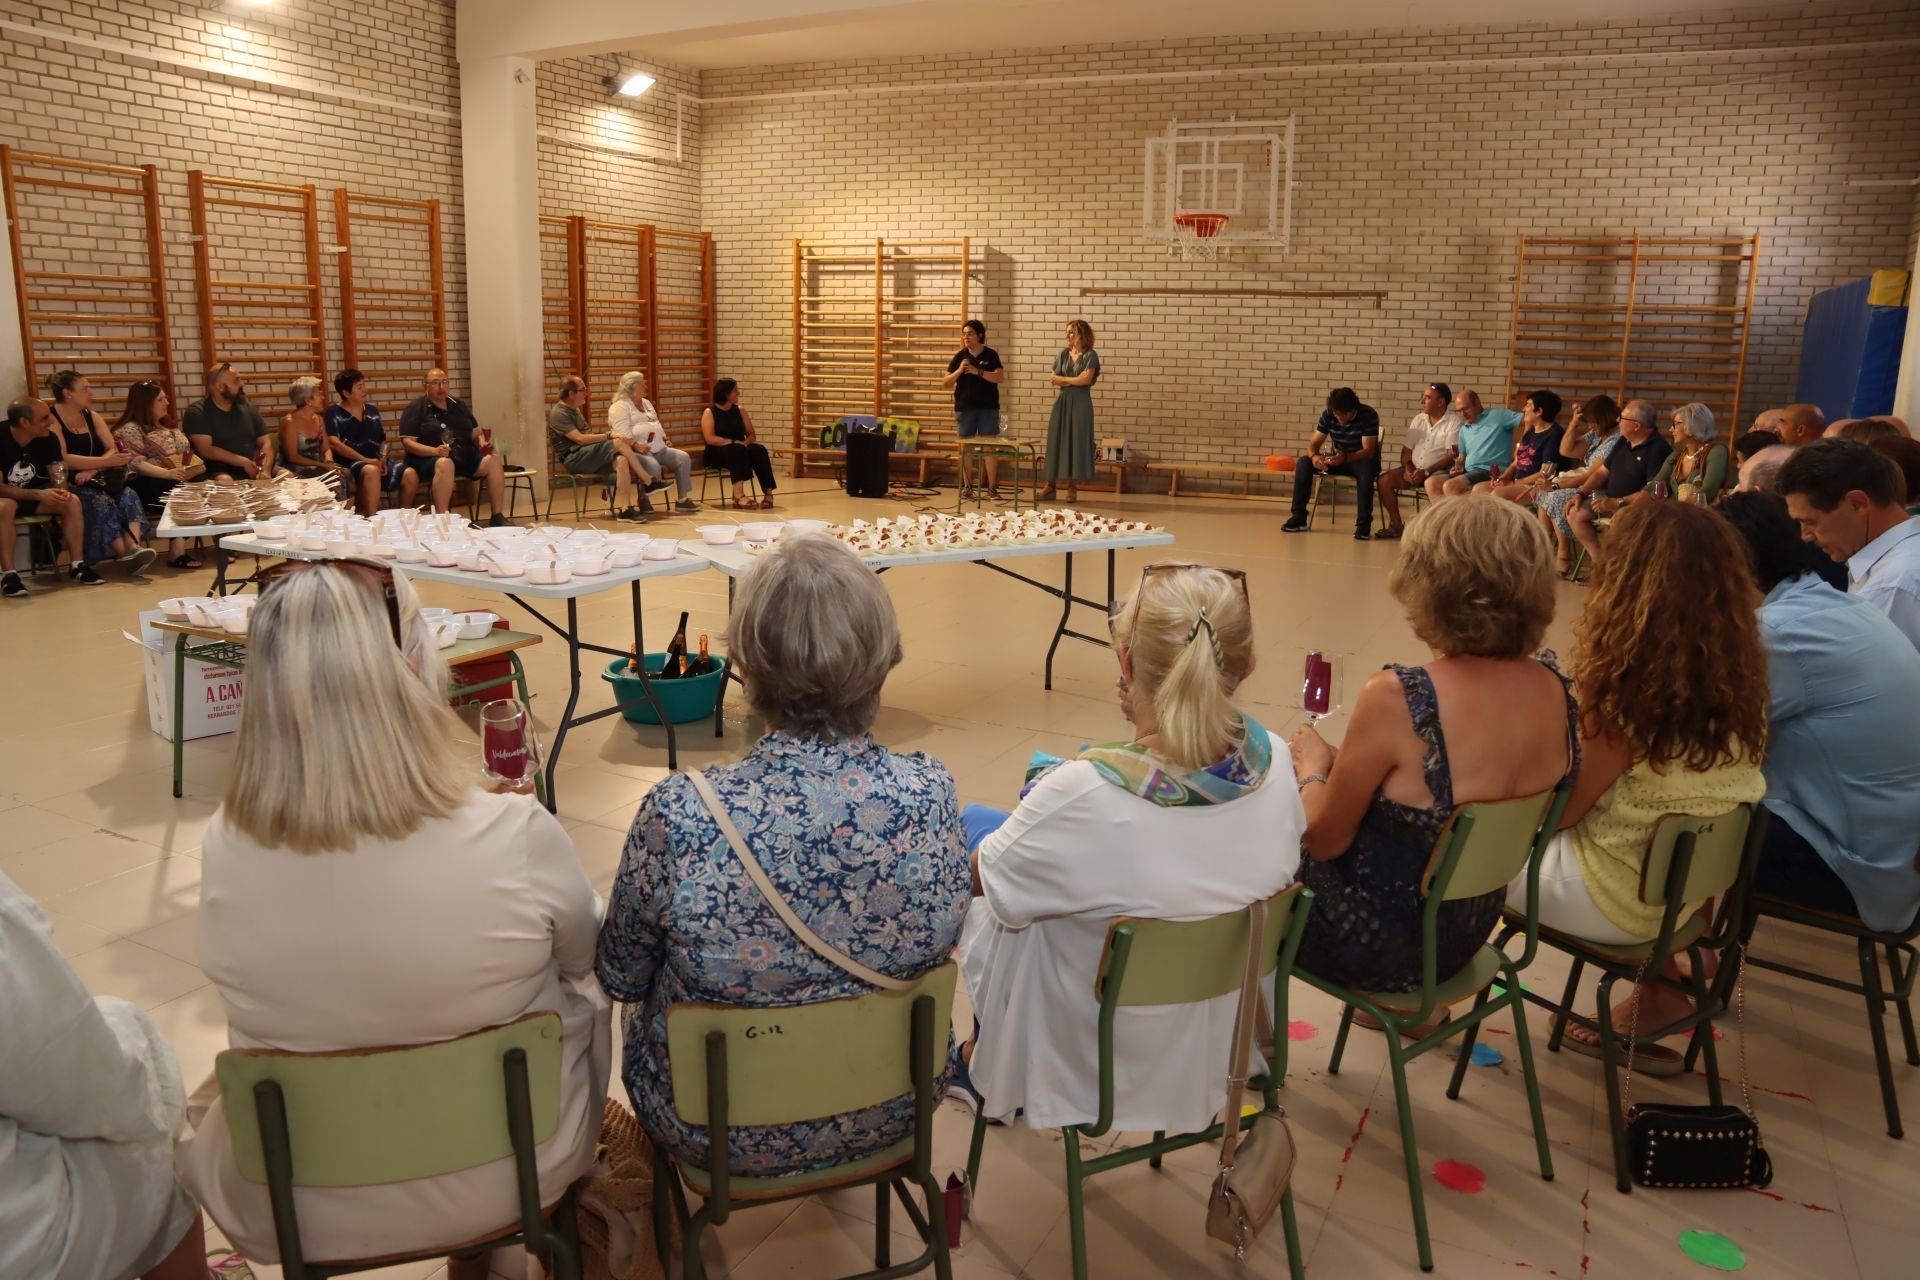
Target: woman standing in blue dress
[[1070, 426], [864, 844]]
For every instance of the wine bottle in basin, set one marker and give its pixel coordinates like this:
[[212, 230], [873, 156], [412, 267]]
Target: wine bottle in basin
[[676, 650]]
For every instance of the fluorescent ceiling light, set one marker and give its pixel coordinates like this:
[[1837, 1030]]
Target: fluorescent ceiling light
[[632, 84]]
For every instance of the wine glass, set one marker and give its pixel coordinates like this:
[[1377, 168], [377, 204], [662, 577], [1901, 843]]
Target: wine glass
[[1320, 685], [57, 472], [509, 750]]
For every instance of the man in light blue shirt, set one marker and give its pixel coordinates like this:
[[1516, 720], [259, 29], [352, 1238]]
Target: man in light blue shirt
[[1486, 446], [1847, 499], [1843, 754]]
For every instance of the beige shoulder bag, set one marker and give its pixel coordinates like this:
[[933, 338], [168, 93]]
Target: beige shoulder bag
[[1254, 1171], [818, 945]]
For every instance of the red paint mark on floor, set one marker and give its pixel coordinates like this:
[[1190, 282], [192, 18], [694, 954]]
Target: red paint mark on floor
[[1348, 1153], [1760, 1088], [1780, 1199], [1718, 1035], [1586, 1229], [1458, 1175], [1297, 1030], [1768, 1194], [1339, 1182]]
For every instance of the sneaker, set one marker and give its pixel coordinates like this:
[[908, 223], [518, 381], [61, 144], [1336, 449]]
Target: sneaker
[[498, 522], [138, 559], [1294, 524], [1390, 532], [634, 515], [687, 505], [85, 576], [12, 588], [1361, 535], [655, 485]]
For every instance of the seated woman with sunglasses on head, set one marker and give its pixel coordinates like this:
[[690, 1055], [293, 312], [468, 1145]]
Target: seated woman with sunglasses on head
[[359, 891], [1195, 816], [1482, 721]]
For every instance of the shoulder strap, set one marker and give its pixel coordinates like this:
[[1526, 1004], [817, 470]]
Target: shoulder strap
[[815, 943], [1423, 707], [1243, 1023]]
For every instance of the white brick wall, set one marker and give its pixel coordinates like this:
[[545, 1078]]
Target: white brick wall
[[1417, 170]]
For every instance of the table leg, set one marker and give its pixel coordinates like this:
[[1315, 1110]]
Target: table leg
[[1066, 612], [219, 587], [572, 635], [179, 706]]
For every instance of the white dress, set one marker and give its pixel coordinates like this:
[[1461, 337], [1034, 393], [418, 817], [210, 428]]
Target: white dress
[[89, 1098], [472, 921], [1078, 852]]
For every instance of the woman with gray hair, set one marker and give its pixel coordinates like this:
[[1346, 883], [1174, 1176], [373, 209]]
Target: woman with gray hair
[[303, 433], [1697, 469], [359, 890], [863, 844], [631, 417]]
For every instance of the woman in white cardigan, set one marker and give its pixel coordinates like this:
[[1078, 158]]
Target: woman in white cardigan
[[359, 891], [1196, 816], [631, 416]]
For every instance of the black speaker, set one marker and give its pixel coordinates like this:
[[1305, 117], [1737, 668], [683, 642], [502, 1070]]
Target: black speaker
[[867, 453]]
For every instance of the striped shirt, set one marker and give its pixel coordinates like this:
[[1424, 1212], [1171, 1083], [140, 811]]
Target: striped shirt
[[1349, 437]]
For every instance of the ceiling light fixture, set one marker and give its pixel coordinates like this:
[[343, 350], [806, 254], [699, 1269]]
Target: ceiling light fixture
[[629, 84]]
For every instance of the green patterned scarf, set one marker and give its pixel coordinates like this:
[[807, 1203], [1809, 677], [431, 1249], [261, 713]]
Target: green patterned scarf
[[1131, 767]]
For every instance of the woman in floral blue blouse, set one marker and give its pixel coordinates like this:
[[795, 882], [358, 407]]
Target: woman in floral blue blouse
[[864, 844]]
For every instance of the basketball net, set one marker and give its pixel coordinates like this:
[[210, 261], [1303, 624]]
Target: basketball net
[[1196, 236]]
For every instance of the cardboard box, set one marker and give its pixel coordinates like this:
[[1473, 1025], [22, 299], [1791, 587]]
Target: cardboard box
[[214, 693]]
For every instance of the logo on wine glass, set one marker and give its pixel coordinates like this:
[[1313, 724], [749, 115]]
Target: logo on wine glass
[[507, 746]]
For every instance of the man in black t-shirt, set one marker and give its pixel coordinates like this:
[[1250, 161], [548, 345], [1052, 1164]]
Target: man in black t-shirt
[[226, 431], [1630, 468], [29, 454], [975, 374], [440, 436]]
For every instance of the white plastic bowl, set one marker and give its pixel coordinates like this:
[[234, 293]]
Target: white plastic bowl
[[313, 542], [548, 573], [341, 547], [505, 567], [434, 615], [410, 553], [233, 620], [593, 563], [269, 532], [661, 549], [446, 631], [468, 558], [475, 625], [762, 530], [808, 526], [717, 535], [176, 608], [383, 551], [443, 555], [624, 557]]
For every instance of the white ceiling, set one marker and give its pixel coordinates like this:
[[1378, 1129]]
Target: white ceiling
[[944, 27]]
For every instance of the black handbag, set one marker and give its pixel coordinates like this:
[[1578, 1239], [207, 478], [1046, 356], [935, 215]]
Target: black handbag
[[1675, 1147]]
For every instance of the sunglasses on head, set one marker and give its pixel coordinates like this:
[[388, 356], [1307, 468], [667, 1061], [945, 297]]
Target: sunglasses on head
[[370, 572], [1237, 576]]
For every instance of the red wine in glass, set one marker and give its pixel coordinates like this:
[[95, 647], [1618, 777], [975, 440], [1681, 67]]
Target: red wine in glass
[[1316, 686], [510, 754]]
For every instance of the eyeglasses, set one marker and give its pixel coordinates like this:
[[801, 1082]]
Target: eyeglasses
[[1237, 576], [371, 572]]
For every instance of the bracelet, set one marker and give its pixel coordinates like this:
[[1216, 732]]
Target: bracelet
[[1310, 779]]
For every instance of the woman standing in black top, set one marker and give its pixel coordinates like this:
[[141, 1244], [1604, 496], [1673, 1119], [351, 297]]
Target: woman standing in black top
[[734, 444]]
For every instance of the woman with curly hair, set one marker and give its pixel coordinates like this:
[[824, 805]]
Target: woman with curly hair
[[1672, 684]]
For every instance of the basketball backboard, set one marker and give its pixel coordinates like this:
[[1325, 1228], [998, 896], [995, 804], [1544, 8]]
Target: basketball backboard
[[1241, 170]]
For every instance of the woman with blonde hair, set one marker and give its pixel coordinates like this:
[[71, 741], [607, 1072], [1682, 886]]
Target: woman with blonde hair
[[1476, 579], [1070, 425], [1672, 682], [1195, 815], [359, 891], [632, 417], [304, 446]]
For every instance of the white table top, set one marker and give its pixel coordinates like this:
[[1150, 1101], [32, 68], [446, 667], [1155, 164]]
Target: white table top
[[167, 530], [735, 560], [685, 562]]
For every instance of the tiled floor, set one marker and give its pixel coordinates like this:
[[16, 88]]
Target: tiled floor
[[87, 825]]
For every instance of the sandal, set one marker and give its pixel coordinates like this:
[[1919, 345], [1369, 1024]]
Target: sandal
[[1650, 1057], [766, 503], [184, 561], [225, 1264], [1045, 495]]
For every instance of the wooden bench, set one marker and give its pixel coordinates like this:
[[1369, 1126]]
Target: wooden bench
[[1246, 475]]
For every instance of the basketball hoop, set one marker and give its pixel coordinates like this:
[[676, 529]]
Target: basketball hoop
[[1196, 235]]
